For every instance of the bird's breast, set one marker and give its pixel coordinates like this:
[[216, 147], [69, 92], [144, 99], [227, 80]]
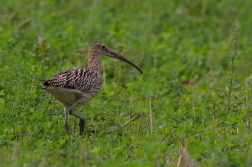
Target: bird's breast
[[70, 96]]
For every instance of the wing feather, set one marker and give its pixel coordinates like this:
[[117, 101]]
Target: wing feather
[[82, 79]]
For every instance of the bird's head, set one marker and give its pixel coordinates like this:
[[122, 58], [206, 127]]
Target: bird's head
[[102, 49]]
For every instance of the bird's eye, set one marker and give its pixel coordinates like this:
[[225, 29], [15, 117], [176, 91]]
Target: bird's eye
[[103, 47]]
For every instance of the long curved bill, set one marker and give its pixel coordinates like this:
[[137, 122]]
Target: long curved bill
[[117, 56]]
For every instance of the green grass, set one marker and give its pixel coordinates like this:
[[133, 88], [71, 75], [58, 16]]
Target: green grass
[[196, 82]]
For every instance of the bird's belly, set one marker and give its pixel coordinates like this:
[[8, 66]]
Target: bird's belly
[[70, 96]]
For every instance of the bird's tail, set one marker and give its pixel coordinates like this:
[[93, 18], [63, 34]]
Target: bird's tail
[[45, 84]]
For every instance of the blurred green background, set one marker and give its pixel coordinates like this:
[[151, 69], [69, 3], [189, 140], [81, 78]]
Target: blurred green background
[[196, 59]]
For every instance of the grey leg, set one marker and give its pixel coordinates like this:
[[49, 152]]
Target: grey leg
[[82, 120], [72, 107], [66, 126]]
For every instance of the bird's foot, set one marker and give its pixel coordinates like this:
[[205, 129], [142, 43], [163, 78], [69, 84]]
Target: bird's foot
[[81, 124], [66, 126]]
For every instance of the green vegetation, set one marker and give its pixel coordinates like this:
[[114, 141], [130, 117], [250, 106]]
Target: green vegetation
[[196, 59]]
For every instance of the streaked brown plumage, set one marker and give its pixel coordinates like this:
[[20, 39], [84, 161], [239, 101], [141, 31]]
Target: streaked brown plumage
[[78, 86]]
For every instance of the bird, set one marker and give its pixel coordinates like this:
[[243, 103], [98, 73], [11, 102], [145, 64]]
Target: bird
[[76, 87]]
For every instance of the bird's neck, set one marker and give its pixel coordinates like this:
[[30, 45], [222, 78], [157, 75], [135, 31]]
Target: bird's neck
[[94, 61]]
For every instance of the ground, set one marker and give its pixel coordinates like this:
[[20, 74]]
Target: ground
[[191, 106]]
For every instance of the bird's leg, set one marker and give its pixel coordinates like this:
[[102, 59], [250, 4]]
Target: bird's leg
[[82, 120], [82, 124], [66, 126]]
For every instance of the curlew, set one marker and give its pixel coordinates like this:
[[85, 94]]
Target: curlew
[[76, 87]]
